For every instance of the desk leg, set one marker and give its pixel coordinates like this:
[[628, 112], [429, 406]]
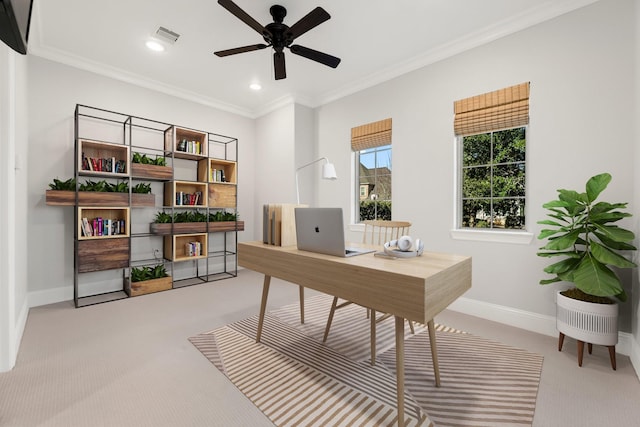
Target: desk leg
[[301, 304], [263, 305], [400, 368], [434, 351]]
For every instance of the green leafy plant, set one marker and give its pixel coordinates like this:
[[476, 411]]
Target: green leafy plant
[[120, 187], [94, 186], [222, 216], [145, 160], [68, 185], [140, 274], [141, 188], [583, 235], [162, 218]]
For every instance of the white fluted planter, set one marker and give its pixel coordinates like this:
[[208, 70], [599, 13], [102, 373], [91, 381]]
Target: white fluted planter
[[586, 321]]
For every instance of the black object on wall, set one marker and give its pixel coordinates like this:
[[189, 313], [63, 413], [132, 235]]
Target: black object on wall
[[15, 19]]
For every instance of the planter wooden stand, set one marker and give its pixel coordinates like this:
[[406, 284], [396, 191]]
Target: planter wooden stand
[[148, 286], [162, 173], [589, 323], [98, 198], [195, 227]]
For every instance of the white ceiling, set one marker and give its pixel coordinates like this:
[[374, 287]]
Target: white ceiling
[[376, 40]]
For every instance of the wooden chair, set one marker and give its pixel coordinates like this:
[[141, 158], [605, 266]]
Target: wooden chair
[[376, 232]]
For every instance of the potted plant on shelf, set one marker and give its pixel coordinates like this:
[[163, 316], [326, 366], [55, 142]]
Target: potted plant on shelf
[[583, 236], [98, 193], [147, 279], [165, 223], [143, 166]]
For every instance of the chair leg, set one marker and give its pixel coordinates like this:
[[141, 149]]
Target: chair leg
[[301, 304], [331, 313], [413, 331], [560, 341]]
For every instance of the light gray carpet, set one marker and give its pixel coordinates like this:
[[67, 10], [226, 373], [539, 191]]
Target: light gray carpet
[[129, 364], [484, 383]]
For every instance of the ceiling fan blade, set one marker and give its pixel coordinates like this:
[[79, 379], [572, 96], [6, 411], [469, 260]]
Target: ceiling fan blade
[[314, 55], [243, 16], [314, 18], [240, 49], [278, 65]]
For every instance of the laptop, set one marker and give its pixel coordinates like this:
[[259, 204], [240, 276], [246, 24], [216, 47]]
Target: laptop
[[321, 230]]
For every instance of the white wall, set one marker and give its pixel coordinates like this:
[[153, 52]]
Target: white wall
[[13, 184], [54, 91], [580, 66], [635, 309]]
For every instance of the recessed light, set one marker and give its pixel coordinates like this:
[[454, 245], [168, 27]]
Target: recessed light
[[255, 86], [154, 45]]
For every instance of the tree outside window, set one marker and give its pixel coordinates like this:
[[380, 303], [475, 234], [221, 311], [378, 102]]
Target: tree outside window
[[374, 183], [493, 180]]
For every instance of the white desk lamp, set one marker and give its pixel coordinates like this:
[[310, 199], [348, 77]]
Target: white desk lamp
[[328, 172]]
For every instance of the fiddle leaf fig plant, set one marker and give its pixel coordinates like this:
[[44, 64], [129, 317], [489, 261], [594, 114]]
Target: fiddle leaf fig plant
[[583, 235]]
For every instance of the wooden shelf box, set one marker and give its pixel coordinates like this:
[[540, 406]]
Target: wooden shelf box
[[222, 195], [160, 173], [102, 158], [118, 217], [133, 289], [102, 254], [192, 194], [98, 198], [186, 143], [217, 170], [179, 247]]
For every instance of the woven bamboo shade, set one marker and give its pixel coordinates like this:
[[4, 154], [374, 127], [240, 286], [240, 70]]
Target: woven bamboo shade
[[371, 135], [502, 109]]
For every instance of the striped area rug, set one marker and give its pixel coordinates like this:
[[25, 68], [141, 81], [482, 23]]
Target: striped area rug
[[296, 380]]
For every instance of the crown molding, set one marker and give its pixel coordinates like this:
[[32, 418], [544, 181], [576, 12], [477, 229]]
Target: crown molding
[[541, 13]]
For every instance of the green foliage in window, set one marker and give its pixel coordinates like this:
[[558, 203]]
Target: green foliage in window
[[493, 180], [375, 209]]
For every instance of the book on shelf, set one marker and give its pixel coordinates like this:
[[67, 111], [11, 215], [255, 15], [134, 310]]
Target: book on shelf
[[193, 249]]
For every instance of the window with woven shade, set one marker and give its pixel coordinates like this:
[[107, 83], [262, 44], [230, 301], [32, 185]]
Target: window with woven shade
[[491, 133], [371, 144]]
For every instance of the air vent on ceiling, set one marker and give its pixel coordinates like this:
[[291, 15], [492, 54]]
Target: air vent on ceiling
[[167, 35]]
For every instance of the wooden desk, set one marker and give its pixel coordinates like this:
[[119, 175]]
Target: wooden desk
[[408, 288]]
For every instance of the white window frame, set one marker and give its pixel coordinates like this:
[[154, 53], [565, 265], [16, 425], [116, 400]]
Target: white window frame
[[457, 232], [356, 180]]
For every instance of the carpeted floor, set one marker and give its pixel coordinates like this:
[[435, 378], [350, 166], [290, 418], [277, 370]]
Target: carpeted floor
[[295, 379]]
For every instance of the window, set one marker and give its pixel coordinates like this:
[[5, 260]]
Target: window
[[373, 167], [493, 180], [371, 144], [491, 133]]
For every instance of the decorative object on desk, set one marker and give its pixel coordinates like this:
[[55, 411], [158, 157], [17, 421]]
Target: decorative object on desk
[[328, 172], [404, 247], [278, 224], [583, 235], [295, 353]]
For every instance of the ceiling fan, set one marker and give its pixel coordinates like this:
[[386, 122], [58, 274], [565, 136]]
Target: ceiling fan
[[279, 35]]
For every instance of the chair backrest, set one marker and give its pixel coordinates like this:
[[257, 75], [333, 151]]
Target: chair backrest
[[378, 232]]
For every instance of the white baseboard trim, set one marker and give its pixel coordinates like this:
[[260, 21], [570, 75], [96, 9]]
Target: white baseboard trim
[[50, 296], [538, 323]]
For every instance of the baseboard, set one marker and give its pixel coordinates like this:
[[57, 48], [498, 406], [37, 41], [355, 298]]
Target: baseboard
[[534, 322], [50, 296]]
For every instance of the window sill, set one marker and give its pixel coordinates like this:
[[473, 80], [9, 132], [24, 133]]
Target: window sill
[[515, 237]]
